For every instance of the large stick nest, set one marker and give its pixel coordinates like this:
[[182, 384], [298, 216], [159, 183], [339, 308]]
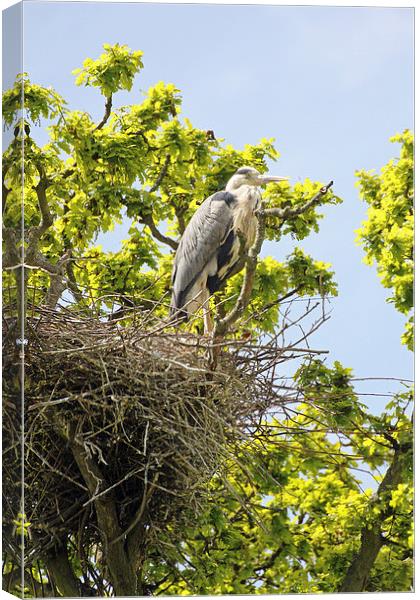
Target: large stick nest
[[145, 405]]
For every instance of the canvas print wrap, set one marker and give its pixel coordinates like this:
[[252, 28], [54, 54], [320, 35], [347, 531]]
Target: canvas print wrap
[[207, 345]]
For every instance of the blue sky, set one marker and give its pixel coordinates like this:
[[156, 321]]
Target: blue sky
[[331, 84]]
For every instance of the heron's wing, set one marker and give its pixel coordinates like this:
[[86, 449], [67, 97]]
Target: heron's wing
[[200, 242]]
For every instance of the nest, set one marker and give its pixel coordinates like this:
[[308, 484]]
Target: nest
[[146, 408]]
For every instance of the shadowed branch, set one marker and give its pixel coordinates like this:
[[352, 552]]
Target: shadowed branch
[[251, 260]]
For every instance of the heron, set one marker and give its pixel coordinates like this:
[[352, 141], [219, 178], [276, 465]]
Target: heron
[[215, 243]]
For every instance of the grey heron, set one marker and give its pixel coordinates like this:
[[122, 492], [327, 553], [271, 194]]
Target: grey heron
[[215, 242]]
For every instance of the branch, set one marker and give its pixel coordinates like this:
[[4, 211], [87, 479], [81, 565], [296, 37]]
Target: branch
[[372, 540], [120, 566], [161, 174], [41, 189], [47, 220], [108, 107], [62, 574], [148, 220], [5, 192], [252, 257], [280, 299], [134, 534], [72, 283], [246, 290], [11, 256], [286, 213]]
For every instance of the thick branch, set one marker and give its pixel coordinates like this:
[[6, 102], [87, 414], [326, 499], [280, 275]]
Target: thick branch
[[246, 290], [123, 576], [62, 574], [108, 107], [47, 220], [11, 256], [41, 191], [148, 220], [372, 540]]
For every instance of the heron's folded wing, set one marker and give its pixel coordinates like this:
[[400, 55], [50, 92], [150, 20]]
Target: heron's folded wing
[[201, 240]]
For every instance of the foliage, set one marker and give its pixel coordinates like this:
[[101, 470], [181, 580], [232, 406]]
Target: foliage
[[387, 236], [100, 175], [286, 511], [294, 524], [114, 70]]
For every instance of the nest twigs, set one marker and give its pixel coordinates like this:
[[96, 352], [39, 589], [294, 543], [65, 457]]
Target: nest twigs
[[128, 415], [145, 409]]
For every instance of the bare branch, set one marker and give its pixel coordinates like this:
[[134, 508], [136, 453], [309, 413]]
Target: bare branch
[[161, 174], [246, 290], [148, 220], [108, 107]]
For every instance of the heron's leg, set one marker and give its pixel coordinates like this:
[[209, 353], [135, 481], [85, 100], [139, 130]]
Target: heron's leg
[[208, 321]]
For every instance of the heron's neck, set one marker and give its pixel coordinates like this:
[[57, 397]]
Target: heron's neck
[[235, 187]]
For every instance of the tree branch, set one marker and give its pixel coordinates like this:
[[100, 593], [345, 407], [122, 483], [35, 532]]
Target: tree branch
[[108, 107], [252, 257], [288, 212], [5, 193], [148, 220], [64, 579], [246, 290], [119, 563], [11, 255], [72, 283], [371, 537], [161, 174], [35, 233]]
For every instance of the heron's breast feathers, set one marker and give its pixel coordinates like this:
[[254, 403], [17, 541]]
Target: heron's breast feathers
[[244, 219]]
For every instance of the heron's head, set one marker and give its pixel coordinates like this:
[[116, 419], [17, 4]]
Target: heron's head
[[250, 176]]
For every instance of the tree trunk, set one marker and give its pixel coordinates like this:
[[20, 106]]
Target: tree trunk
[[62, 574], [371, 540]]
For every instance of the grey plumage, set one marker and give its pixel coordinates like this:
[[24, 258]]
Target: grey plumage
[[214, 242], [203, 237]]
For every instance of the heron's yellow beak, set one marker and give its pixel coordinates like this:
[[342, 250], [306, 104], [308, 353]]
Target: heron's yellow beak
[[270, 178]]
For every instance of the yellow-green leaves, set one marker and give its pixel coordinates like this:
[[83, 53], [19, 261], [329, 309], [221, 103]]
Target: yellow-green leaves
[[310, 276], [285, 195], [114, 70], [21, 525], [387, 234], [299, 274], [32, 100]]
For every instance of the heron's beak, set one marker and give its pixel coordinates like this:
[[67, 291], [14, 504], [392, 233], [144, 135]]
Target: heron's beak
[[269, 178]]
